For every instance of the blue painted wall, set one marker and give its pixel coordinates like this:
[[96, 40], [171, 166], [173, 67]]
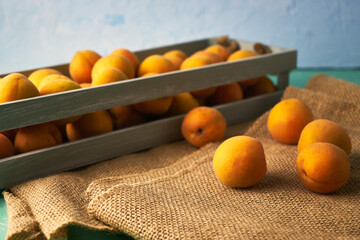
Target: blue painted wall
[[37, 33]]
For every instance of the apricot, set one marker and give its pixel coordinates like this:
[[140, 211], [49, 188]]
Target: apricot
[[203, 125], [89, 124], [215, 58], [182, 103], [57, 85], [117, 61], [203, 93], [52, 77], [126, 116], [287, 119], [108, 75], [262, 85], [194, 62], [220, 50], [155, 64], [323, 167], [37, 76], [85, 85], [16, 86], [37, 137], [157, 106], [81, 65], [175, 60], [131, 56], [323, 130], [241, 54], [225, 94], [10, 134], [240, 162], [6, 147], [177, 53]]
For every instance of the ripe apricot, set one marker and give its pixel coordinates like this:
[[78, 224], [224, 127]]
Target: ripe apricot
[[89, 124], [203, 125], [287, 119], [323, 130], [177, 53], [6, 147], [155, 64], [108, 75], [204, 93], [261, 86], [117, 61], [10, 134], [52, 77], [176, 56], [16, 86], [182, 103], [225, 94], [37, 76], [157, 106], [85, 85], [57, 85], [126, 116], [195, 61], [131, 56], [81, 65], [323, 167], [220, 50], [241, 54], [175, 60], [240, 162], [37, 137], [215, 58]]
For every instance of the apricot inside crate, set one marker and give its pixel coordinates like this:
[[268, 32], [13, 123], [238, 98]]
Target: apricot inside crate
[[71, 155]]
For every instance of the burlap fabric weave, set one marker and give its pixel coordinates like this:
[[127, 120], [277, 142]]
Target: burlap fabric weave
[[171, 192]]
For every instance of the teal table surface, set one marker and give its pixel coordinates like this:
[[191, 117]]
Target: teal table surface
[[298, 78]]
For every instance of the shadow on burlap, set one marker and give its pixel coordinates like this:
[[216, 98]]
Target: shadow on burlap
[[171, 192]]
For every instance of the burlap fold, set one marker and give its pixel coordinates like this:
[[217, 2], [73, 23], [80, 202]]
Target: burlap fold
[[171, 191], [56, 201]]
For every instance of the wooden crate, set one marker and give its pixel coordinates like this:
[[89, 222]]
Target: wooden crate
[[70, 155]]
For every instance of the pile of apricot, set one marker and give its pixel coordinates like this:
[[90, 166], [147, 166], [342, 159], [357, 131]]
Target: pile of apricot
[[87, 68], [322, 163], [324, 147]]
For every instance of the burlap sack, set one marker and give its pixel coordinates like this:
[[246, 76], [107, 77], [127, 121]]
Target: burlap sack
[[46, 205], [173, 197], [42, 208], [186, 201]]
